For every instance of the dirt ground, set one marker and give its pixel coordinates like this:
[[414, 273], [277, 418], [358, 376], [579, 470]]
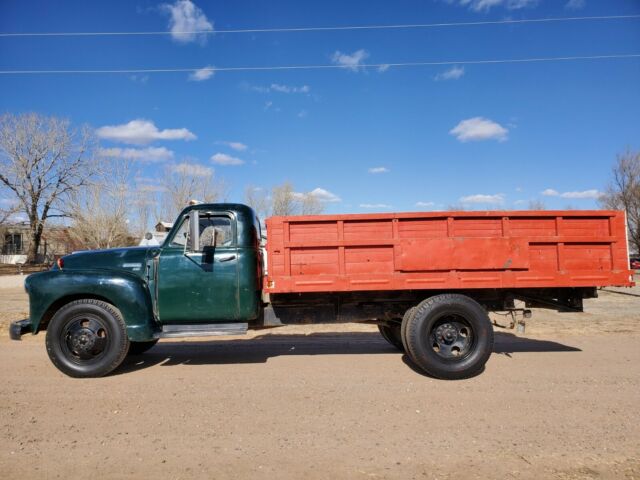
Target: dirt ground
[[559, 402]]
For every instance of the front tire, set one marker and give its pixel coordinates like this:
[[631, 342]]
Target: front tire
[[449, 336], [87, 338]]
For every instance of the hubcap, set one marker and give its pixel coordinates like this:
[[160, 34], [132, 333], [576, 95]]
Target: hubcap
[[451, 337], [85, 338]]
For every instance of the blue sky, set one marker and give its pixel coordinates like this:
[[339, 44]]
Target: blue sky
[[420, 138]]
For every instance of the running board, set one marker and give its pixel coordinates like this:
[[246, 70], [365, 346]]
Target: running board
[[202, 330]]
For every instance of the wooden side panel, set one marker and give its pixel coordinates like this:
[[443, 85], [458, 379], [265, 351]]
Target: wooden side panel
[[368, 260], [305, 232], [477, 227], [447, 250], [314, 261], [370, 230], [585, 256], [422, 228], [462, 253]]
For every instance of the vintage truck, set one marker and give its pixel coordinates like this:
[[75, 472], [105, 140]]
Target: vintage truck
[[428, 280]]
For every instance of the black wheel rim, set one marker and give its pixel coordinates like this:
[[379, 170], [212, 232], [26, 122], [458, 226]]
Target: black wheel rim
[[85, 338], [452, 337]]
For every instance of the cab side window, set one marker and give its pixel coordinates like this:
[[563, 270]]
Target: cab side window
[[181, 236], [215, 231]]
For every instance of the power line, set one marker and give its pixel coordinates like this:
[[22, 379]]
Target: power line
[[322, 67], [324, 29]]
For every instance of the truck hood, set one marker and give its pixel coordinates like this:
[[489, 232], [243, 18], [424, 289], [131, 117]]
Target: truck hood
[[131, 259]]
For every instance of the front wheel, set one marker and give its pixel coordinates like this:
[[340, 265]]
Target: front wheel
[[87, 338], [449, 336]]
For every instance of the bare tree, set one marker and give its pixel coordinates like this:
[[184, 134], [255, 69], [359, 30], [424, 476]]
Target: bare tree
[[143, 215], [456, 208], [185, 182], [258, 199], [623, 193], [286, 201], [42, 162], [100, 211], [283, 200], [8, 212], [310, 205], [536, 205]]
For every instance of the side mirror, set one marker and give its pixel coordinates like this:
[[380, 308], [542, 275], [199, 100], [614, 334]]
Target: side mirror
[[194, 230]]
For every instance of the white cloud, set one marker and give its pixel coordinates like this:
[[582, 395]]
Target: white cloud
[[319, 194], [575, 4], [237, 146], [187, 19], [279, 88], [454, 73], [584, 194], [141, 132], [375, 170], [479, 128], [496, 199], [595, 194], [149, 154], [139, 78], [425, 204], [383, 68], [324, 195], [486, 5], [193, 169], [224, 159], [375, 205], [201, 74], [352, 61]]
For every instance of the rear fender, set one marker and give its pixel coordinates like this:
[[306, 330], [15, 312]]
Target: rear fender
[[48, 291]]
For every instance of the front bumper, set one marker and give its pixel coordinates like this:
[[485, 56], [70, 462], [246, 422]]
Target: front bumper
[[17, 329]]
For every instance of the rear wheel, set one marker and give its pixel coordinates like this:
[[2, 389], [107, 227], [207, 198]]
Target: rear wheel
[[391, 334], [403, 328], [138, 348], [449, 336], [87, 338]]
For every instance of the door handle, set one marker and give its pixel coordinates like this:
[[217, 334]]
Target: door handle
[[227, 258]]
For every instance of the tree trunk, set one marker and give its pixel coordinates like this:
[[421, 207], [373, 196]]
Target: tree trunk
[[34, 245]]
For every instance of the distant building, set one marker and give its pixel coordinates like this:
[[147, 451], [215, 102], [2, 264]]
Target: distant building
[[15, 240], [164, 227], [156, 237]]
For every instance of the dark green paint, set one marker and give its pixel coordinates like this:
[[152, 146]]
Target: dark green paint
[[125, 290], [190, 288], [198, 287]]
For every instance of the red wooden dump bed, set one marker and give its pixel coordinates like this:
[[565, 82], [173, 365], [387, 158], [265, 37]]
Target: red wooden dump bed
[[447, 250]]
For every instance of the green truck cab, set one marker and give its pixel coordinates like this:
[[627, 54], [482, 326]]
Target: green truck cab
[[97, 306]]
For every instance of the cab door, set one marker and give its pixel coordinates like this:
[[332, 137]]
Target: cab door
[[199, 286]]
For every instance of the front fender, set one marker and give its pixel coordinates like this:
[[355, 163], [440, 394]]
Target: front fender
[[48, 291]]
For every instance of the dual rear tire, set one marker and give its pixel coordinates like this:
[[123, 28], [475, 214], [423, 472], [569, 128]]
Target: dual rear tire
[[447, 336]]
